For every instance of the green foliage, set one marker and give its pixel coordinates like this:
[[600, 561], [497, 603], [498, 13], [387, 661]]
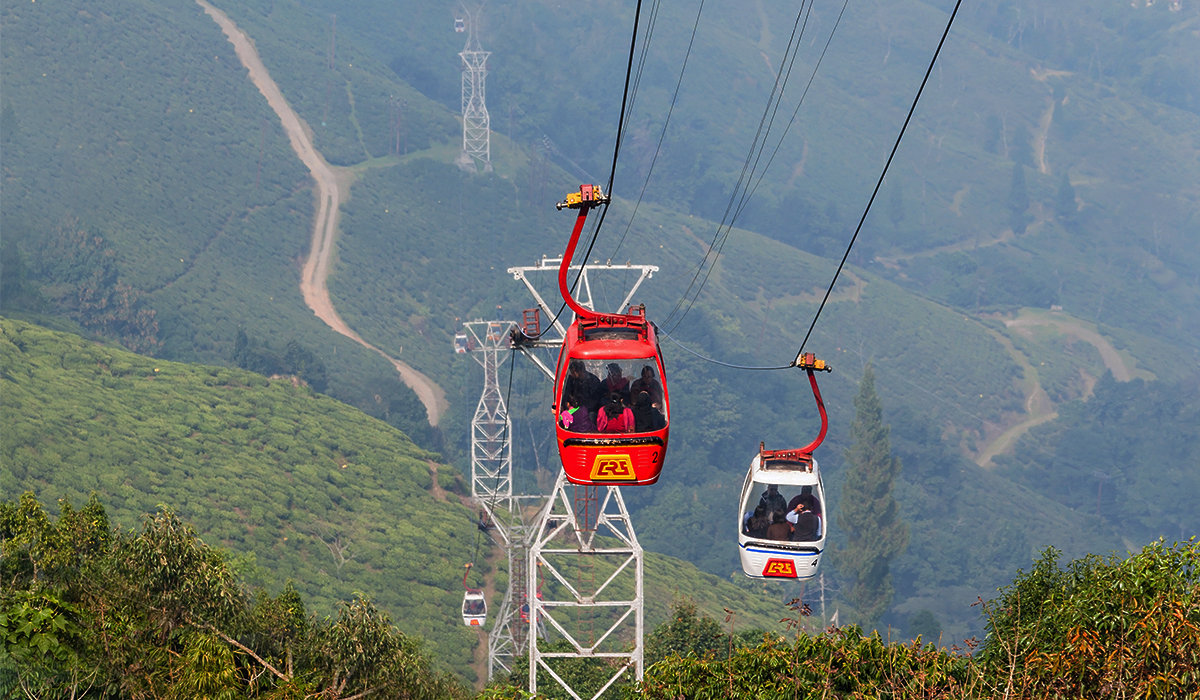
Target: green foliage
[[868, 512], [1100, 624], [38, 629], [296, 360], [158, 613], [685, 634], [76, 270], [1018, 200], [841, 663], [1098, 627], [322, 495]]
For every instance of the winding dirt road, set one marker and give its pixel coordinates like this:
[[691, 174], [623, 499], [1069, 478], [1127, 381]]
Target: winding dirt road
[[1112, 359], [1038, 406], [332, 185]]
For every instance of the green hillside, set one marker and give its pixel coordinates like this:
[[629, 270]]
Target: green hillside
[[1043, 168], [151, 195], [1097, 94], [298, 484], [938, 368], [1127, 455]]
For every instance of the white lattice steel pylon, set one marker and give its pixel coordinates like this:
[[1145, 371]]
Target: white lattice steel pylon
[[477, 144], [491, 442], [492, 486], [506, 640], [573, 532]]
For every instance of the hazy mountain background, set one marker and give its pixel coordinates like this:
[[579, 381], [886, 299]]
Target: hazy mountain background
[[1053, 162]]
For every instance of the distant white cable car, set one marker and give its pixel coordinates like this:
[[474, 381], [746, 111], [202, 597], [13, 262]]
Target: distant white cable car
[[474, 606], [782, 521], [460, 25], [461, 345]]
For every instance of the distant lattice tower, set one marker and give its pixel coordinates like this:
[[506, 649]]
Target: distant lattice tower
[[477, 148]]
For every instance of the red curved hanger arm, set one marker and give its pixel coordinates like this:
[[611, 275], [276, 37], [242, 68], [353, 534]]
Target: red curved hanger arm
[[563, 267], [812, 379], [466, 571]]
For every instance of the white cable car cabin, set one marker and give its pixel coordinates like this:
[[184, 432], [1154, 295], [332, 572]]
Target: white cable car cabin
[[474, 608], [474, 605], [460, 25], [782, 522]]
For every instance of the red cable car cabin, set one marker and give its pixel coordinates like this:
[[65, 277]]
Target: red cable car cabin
[[611, 407]]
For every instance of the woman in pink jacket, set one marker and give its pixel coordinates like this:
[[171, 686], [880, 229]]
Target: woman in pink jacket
[[614, 416]]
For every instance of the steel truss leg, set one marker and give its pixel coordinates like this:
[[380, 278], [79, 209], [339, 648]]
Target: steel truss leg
[[587, 572]]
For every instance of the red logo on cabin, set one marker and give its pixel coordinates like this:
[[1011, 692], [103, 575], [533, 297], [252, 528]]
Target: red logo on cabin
[[780, 568], [613, 468]]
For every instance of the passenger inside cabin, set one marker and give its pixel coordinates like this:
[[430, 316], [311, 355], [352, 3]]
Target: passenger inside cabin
[[615, 417], [648, 384], [772, 499], [807, 525], [646, 418], [474, 606], [577, 418], [616, 382], [583, 385], [807, 498], [779, 530], [807, 528], [756, 523]]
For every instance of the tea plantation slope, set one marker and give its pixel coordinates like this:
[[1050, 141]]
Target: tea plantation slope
[[309, 488], [302, 486], [133, 126]]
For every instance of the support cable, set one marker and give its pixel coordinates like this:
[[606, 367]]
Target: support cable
[[776, 94], [799, 104], [661, 134], [616, 150], [612, 173], [866, 211], [747, 195], [882, 175], [652, 19], [717, 362]]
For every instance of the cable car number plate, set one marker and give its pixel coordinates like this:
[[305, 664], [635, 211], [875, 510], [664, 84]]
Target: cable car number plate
[[781, 568], [613, 468]]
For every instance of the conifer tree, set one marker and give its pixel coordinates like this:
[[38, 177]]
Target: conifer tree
[[1018, 200], [1022, 147], [1064, 203], [868, 513]]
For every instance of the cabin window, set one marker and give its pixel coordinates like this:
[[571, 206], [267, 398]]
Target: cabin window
[[594, 385], [770, 513]]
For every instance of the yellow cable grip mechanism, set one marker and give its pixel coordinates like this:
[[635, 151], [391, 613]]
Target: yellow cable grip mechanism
[[587, 197]]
